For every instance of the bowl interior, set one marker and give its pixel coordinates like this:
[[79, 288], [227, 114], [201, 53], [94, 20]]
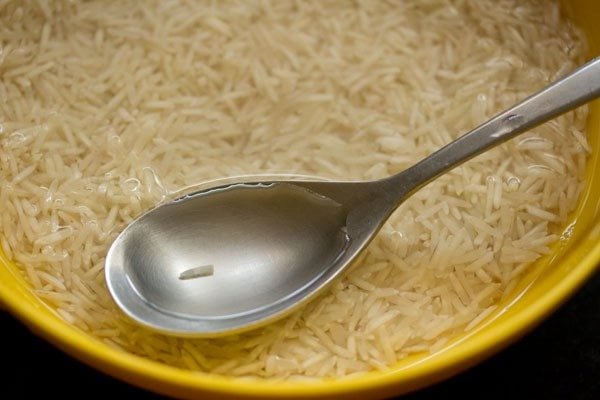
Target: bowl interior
[[547, 284]]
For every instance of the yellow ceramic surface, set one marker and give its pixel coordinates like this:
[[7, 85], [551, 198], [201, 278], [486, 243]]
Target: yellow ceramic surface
[[548, 284]]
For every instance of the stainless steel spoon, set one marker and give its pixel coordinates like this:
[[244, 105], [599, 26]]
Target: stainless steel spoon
[[236, 256]]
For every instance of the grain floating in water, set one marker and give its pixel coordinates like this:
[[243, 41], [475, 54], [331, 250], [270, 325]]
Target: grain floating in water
[[106, 108]]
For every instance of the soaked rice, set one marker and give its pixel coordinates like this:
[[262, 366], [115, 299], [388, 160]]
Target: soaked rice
[[107, 107]]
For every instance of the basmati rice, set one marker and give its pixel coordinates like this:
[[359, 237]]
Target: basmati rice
[[107, 107]]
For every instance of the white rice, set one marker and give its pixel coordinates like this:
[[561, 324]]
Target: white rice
[[107, 107]]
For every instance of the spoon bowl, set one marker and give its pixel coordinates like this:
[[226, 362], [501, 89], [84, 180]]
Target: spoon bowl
[[179, 258], [236, 256]]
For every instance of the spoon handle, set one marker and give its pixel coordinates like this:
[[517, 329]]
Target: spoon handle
[[575, 89]]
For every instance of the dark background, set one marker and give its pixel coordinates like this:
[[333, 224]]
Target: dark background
[[558, 360]]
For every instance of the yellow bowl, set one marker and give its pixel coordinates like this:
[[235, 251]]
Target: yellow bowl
[[548, 284]]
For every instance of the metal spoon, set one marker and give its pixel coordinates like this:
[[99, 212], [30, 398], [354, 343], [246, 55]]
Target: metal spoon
[[236, 256]]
